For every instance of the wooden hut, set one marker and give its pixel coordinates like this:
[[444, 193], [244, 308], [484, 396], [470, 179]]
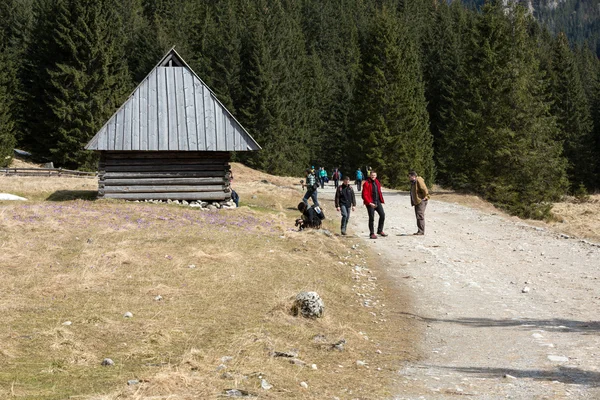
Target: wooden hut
[[171, 139]]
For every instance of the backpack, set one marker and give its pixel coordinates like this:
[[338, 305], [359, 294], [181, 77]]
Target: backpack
[[316, 216]]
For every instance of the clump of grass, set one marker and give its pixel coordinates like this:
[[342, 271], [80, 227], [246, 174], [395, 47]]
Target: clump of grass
[[90, 262]]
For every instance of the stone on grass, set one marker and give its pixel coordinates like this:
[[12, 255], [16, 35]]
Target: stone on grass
[[158, 298], [265, 385], [67, 323], [107, 362], [308, 304], [128, 315], [132, 382], [237, 393]]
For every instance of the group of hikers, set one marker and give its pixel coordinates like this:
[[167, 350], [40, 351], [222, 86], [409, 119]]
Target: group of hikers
[[345, 199]]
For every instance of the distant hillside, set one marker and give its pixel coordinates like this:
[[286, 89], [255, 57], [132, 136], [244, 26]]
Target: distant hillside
[[579, 19]]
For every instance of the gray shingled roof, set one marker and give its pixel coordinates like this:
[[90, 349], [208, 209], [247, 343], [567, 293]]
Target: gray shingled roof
[[172, 110]]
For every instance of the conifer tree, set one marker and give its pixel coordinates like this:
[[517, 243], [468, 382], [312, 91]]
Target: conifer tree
[[391, 121], [571, 108], [77, 77], [7, 133]]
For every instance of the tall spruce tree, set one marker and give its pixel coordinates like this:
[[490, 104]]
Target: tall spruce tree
[[518, 163], [570, 106], [391, 122], [7, 132], [77, 74]]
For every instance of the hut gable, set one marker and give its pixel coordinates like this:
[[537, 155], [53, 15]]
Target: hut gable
[[172, 110]]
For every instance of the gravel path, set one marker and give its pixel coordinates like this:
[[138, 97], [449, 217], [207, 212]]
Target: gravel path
[[509, 310]]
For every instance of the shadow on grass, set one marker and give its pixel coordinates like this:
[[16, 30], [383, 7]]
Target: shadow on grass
[[552, 324], [67, 195], [562, 374]]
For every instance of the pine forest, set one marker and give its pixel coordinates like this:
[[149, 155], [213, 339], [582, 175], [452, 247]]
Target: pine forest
[[488, 98]]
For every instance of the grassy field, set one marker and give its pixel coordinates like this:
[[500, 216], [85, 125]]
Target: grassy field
[[71, 266]]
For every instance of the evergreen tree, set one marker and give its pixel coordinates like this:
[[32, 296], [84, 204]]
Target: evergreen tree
[[7, 133], [391, 121], [571, 108], [77, 77]]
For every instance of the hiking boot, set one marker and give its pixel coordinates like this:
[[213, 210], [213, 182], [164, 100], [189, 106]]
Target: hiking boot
[[373, 236], [343, 233], [382, 233], [418, 233]]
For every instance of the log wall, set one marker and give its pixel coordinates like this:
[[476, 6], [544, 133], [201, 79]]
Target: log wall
[[162, 175]]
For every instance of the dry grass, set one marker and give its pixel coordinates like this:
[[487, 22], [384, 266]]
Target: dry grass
[[570, 217], [89, 262]]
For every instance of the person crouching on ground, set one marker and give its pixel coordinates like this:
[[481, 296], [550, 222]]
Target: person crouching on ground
[[345, 201], [309, 218], [311, 187], [373, 200], [419, 195]]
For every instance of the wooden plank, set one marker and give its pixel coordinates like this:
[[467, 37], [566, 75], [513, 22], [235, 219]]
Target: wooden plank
[[163, 109], [172, 196], [163, 189], [182, 131], [135, 121], [163, 168], [219, 127], [153, 111], [209, 118], [127, 125], [167, 161], [165, 181], [119, 121], [143, 115], [172, 109], [200, 118], [190, 110], [229, 134], [170, 174], [110, 155]]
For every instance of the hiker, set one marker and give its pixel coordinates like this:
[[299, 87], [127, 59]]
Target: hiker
[[322, 176], [419, 196], [337, 175], [311, 216], [234, 196], [359, 179], [344, 202], [311, 187], [373, 200]]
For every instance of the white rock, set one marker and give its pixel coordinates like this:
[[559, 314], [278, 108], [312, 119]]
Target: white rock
[[265, 385], [314, 366], [158, 298], [8, 196], [128, 315], [107, 362], [67, 323], [509, 376], [360, 363], [192, 266], [304, 385], [558, 358], [526, 289]]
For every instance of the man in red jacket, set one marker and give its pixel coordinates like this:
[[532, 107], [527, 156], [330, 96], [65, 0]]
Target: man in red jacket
[[373, 200]]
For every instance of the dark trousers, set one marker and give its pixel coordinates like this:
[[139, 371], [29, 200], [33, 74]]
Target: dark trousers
[[345, 216], [336, 182], [379, 210], [358, 184], [420, 214], [322, 180], [311, 194]]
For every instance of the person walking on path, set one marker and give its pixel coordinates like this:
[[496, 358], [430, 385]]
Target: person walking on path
[[311, 188], [345, 201], [373, 200], [359, 179], [419, 195], [322, 176], [337, 175]]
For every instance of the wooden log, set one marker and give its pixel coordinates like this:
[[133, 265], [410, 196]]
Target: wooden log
[[165, 161], [163, 189], [111, 155], [164, 181], [164, 168], [174, 174], [172, 196]]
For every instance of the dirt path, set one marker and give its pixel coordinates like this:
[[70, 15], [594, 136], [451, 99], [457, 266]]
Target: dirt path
[[508, 310]]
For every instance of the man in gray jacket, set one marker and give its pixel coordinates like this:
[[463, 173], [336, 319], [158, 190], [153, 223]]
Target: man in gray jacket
[[345, 201]]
